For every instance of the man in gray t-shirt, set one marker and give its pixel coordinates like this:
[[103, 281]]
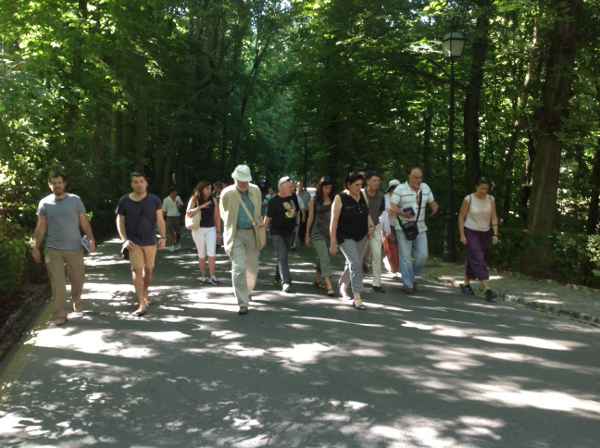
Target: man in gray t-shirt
[[59, 218]]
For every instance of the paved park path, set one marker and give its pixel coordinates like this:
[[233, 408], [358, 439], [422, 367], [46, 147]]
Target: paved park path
[[436, 369]]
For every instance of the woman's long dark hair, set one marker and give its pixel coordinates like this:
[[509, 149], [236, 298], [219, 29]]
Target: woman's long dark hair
[[199, 191], [324, 182]]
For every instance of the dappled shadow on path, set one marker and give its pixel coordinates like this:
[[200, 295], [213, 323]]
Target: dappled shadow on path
[[302, 369]]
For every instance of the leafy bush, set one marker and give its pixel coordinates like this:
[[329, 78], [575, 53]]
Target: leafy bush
[[18, 267], [593, 250], [566, 257]]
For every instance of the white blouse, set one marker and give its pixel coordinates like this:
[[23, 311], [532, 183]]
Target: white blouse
[[479, 214]]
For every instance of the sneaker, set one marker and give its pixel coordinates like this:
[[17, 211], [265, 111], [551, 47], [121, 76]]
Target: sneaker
[[214, 280], [61, 320], [466, 289], [177, 246], [409, 290], [286, 287], [379, 289], [490, 295], [204, 280], [171, 248], [277, 282]]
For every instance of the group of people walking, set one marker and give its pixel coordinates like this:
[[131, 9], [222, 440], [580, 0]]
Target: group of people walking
[[359, 221]]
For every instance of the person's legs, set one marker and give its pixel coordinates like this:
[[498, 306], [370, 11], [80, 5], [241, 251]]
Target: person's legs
[[55, 265], [252, 253], [177, 226], [199, 237], [324, 266], [211, 249], [376, 245], [301, 231], [76, 273], [238, 268], [405, 258], [282, 245], [352, 250], [149, 258], [420, 251], [138, 283]]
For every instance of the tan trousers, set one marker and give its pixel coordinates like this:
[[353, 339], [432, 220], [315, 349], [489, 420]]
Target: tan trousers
[[56, 261], [244, 264]]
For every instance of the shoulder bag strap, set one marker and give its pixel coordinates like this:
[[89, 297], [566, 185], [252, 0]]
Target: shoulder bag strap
[[239, 197]]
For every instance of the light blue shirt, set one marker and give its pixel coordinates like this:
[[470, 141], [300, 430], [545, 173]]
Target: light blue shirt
[[243, 222]]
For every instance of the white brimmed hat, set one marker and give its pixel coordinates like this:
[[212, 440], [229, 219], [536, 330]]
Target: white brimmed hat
[[242, 173], [393, 183]]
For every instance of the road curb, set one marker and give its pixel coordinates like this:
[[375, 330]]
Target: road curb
[[532, 304]]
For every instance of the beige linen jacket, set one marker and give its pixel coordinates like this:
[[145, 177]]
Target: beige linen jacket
[[229, 207]]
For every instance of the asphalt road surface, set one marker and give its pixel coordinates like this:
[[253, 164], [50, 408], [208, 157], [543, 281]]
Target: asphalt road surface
[[436, 369]]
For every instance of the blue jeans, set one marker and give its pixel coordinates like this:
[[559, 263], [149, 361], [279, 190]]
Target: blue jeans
[[282, 246], [408, 249]]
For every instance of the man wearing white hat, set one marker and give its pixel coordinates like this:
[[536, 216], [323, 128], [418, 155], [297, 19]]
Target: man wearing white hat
[[238, 237]]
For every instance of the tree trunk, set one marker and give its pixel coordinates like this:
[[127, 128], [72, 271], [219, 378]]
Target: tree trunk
[[471, 110], [556, 92], [594, 212], [427, 120], [140, 130], [116, 150], [97, 152], [167, 166]]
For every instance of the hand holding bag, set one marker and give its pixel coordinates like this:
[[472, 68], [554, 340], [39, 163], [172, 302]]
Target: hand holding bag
[[411, 229], [259, 227]]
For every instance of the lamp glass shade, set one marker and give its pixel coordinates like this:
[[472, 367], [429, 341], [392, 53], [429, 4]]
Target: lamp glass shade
[[453, 44], [305, 127]]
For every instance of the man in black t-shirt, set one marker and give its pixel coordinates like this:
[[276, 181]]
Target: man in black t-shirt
[[282, 213], [139, 214]]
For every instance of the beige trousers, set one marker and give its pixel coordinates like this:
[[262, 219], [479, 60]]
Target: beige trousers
[[56, 261], [244, 264]]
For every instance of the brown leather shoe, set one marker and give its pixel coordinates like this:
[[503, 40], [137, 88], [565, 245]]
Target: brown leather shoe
[[243, 310]]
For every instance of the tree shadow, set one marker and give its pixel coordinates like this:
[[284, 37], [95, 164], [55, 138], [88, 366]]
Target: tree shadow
[[301, 369]]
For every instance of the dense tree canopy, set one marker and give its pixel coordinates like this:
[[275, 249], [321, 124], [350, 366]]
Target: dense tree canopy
[[185, 90]]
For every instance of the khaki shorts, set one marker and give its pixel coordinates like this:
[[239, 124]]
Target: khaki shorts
[[142, 256]]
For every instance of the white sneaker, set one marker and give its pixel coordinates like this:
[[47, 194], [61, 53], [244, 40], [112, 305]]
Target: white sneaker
[[177, 246], [204, 280], [171, 248], [214, 280]]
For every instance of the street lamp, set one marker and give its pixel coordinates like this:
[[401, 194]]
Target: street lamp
[[305, 129], [452, 46]]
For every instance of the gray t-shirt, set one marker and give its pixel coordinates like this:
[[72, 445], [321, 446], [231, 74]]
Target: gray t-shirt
[[63, 221], [376, 205]]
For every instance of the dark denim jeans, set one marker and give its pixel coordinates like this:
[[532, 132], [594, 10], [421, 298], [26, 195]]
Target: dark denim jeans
[[282, 246]]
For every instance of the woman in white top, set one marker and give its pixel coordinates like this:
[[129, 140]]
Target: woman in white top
[[477, 212]]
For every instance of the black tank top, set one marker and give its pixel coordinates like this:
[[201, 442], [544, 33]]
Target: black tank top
[[354, 219]]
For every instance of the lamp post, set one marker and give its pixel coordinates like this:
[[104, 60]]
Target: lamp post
[[305, 129], [452, 46]]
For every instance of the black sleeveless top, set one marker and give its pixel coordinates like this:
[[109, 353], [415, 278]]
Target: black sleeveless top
[[354, 219], [208, 215]]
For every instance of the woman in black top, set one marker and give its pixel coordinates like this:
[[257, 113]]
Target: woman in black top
[[350, 226]]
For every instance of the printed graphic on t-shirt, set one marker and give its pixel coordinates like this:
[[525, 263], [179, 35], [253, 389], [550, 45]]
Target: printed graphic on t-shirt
[[290, 211]]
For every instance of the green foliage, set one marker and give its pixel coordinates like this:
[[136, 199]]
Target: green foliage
[[17, 264], [593, 249]]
